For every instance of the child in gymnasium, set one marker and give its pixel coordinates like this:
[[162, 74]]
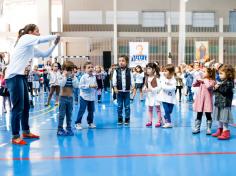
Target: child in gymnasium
[[5, 93], [189, 81], [99, 78], [179, 81], [36, 80], [78, 73], [152, 87], [223, 101], [67, 81], [167, 94], [53, 76], [204, 99], [88, 87], [123, 83], [197, 74], [139, 78]]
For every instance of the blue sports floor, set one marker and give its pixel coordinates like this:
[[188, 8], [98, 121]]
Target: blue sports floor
[[116, 151]]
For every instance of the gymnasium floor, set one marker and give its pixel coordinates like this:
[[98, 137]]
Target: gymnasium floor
[[112, 150]]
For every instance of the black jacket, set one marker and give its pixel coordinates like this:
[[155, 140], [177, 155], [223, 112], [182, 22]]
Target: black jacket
[[119, 78], [224, 94]]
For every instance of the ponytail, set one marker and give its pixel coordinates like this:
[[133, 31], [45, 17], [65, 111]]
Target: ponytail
[[157, 69], [25, 30]]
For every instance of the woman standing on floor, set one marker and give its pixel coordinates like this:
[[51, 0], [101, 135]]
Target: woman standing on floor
[[24, 50]]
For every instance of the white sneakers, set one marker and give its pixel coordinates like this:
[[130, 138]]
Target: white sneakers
[[167, 125], [91, 126], [78, 126], [115, 102]]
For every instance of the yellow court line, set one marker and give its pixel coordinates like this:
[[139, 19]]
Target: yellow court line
[[40, 110], [43, 113], [33, 117]]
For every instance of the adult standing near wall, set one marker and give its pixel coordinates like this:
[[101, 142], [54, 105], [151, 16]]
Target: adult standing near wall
[[24, 50]]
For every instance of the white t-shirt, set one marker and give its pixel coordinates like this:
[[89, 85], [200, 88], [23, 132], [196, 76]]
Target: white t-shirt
[[24, 51], [167, 93], [54, 78], [139, 78]]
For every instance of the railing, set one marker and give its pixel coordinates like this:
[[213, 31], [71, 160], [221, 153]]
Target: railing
[[121, 28], [140, 28]]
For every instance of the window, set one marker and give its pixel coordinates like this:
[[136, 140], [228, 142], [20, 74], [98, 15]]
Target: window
[[203, 19], [123, 17], [153, 19], [85, 17]]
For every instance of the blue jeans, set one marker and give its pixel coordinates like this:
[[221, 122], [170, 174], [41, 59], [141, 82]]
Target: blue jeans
[[168, 108], [46, 86], [90, 107], [190, 93], [76, 94], [18, 89], [123, 99], [65, 109]]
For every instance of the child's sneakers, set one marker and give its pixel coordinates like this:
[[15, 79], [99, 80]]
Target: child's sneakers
[[127, 122], [120, 121], [167, 125], [115, 102], [70, 132], [61, 132], [149, 124], [78, 126], [91, 126]]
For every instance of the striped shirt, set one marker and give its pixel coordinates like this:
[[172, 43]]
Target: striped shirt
[[69, 82]]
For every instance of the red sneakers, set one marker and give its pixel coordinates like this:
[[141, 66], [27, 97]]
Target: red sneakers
[[225, 135], [218, 132], [18, 141], [30, 136]]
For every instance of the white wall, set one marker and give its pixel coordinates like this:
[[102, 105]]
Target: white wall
[[221, 7]]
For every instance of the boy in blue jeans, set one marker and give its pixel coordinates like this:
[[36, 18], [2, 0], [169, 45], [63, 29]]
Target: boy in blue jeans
[[88, 87], [67, 81], [123, 83]]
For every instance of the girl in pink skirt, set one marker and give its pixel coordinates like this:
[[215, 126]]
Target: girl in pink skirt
[[204, 99]]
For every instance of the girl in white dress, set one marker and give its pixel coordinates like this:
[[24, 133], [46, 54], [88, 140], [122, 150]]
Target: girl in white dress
[[152, 87]]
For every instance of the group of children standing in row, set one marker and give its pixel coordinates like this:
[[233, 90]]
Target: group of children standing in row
[[160, 88]]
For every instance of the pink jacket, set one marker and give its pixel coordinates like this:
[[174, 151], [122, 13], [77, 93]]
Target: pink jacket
[[204, 98]]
